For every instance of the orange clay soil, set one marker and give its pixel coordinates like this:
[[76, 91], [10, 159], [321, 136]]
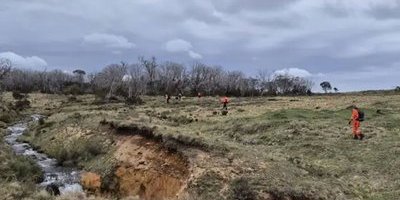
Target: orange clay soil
[[148, 170]]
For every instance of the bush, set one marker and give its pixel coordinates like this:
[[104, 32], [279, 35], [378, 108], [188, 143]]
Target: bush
[[17, 95], [74, 89], [20, 168], [134, 101], [79, 150], [240, 189], [207, 186], [7, 115], [72, 99], [22, 104]]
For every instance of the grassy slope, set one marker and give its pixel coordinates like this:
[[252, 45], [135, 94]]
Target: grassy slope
[[285, 146]]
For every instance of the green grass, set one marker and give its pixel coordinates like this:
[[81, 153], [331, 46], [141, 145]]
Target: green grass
[[285, 149]]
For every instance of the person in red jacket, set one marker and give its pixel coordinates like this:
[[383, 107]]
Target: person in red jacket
[[355, 121], [225, 102]]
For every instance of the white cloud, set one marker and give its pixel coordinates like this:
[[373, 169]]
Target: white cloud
[[179, 45], [294, 72], [108, 40], [24, 62], [195, 55]]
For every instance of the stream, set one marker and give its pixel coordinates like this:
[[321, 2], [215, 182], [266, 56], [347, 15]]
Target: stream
[[65, 179]]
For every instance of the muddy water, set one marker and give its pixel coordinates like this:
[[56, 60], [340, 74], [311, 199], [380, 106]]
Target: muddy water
[[66, 179]]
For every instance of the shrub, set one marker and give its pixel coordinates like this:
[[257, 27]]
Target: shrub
[[21, 169], [207, 186], [79, 150], [72, 99], [74, 89], [22, 104], [240, 189], [134, 101], [17, 95]]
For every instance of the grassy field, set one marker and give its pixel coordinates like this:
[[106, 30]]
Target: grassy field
[[265, 148]]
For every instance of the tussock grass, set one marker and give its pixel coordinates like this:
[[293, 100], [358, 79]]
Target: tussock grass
[[286, 147]]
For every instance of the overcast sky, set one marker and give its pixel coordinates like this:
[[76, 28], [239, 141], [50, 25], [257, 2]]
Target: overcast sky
[[354, 44]]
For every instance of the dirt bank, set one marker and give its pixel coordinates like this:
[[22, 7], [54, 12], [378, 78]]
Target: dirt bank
[[148, 169]]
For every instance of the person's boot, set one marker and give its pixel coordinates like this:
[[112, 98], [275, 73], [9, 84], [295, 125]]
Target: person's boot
[[361, 136], [355, 137]]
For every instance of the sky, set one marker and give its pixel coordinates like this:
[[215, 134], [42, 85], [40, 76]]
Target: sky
[[354, 44]]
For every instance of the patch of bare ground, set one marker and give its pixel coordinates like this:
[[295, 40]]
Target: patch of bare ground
[[149, 170]]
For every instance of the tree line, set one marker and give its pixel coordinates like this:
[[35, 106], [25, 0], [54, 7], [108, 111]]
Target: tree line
[[149, 77]]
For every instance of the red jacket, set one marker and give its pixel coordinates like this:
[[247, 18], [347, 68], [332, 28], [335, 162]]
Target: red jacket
[[225, 100]]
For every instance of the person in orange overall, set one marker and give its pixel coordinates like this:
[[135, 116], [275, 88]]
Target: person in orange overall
[[354, 120], [225, 102]]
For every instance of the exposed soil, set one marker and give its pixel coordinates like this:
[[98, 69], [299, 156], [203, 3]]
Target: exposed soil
[[148, 170]]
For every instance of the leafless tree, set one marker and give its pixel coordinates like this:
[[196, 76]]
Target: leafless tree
[[110, 79], [171, 77], [135, 80], [5, 68], [151, 68], [264, 84], [199, 77]]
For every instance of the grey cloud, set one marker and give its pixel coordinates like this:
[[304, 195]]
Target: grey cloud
[[384, 12], [320, 36]]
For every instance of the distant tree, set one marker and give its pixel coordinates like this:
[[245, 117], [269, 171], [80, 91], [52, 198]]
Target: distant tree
[[335, 89], [171, 76], [80, 74], [151, 69], [264, 81], [326, 86], [5, 68], [309, 92], [397, 89], [109, 80], [135, 80]]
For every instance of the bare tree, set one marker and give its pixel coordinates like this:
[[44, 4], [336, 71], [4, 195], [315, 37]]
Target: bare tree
[[109, 80], [135, 80], [171, 77], [151, 69], [199, 76], [264, 82], [5, 68]]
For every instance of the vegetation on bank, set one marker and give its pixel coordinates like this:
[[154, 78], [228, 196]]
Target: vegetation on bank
[[18, 174]]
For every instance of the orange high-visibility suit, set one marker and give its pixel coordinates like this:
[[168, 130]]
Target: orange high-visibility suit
[[355, 122], [225, 102]]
